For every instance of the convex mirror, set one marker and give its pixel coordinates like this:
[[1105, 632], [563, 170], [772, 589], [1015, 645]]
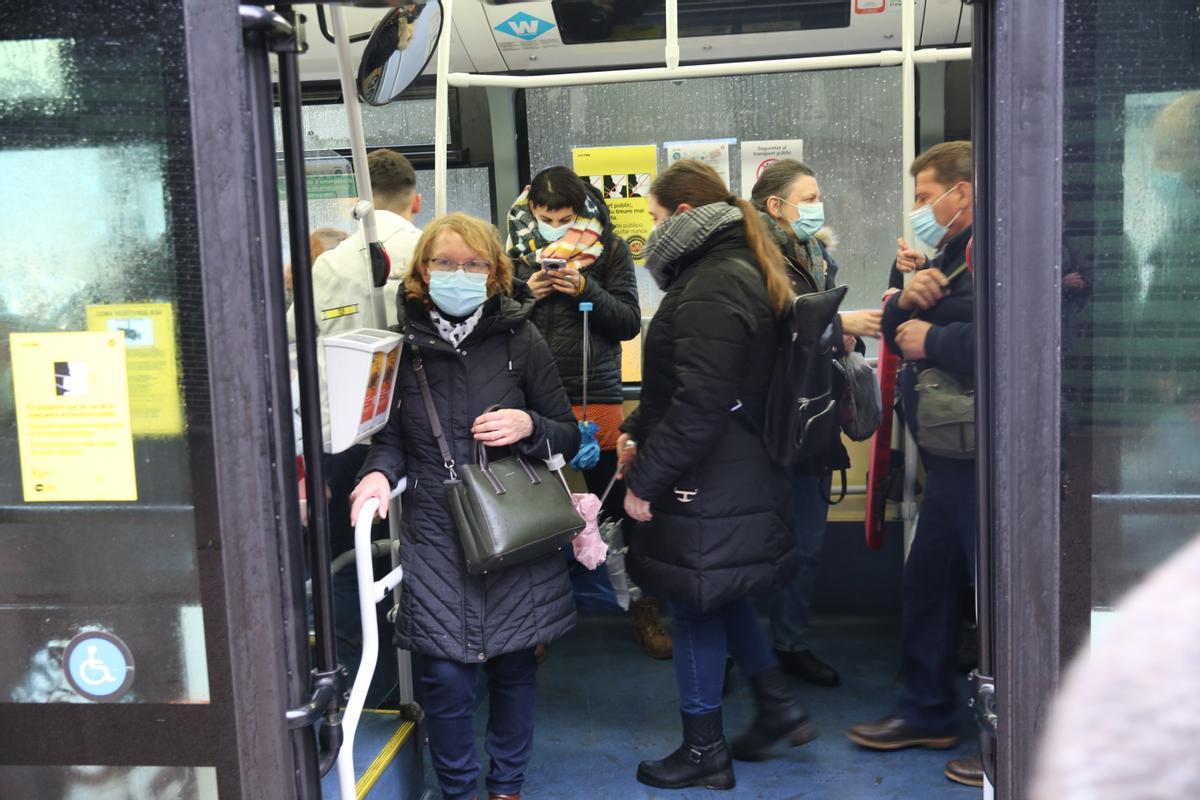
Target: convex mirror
[[398, 51]]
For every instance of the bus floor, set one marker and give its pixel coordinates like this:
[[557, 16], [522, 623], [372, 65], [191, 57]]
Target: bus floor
[[603, 706]]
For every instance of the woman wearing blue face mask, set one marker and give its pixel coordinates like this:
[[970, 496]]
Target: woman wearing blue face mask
[[463, 311], [563, 245], [789, 201]]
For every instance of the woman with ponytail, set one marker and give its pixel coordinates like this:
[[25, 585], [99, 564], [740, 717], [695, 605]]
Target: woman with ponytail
[[715, 510]]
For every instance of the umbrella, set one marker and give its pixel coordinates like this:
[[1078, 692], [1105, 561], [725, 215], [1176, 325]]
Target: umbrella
[[589, 449]]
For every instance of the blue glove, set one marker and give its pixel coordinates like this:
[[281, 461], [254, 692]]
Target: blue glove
[[589, 449]]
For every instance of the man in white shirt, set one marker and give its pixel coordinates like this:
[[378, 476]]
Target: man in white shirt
[[342, 276]]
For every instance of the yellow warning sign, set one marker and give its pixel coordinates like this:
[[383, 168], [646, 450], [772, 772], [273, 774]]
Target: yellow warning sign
[[73, 425], [149, 328]]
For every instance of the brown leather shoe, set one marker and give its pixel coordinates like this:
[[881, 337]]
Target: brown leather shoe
[[504, 797], [648, 628], [967, 771], [893, 733]]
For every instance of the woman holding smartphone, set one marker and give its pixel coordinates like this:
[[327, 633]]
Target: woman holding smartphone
[[563, 245]]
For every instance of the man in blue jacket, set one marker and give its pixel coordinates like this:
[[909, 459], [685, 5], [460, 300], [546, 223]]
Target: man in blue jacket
[[932, 324]]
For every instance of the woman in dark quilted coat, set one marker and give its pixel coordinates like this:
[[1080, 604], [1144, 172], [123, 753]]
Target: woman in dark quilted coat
[[715, 509], [478, 351]]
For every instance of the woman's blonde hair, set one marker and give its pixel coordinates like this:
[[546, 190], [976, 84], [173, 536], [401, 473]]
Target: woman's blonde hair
[[698, 184], [480, 236]]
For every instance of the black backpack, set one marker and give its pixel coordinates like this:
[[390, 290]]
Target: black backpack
[[801, 408]]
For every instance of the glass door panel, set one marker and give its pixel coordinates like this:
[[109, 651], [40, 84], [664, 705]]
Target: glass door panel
[[1131, 290]]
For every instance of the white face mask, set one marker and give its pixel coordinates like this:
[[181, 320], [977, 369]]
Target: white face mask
[[551, 233]]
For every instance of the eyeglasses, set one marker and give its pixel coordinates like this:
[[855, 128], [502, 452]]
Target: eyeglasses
[[474, 266]]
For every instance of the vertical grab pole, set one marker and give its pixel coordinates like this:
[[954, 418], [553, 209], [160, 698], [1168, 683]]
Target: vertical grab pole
[[908, 137], [310, 397], [441, 133], [358, 153], [672, 46], [908, 105]]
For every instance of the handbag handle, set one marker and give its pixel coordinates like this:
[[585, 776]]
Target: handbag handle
[[434, 423], [484, 467]]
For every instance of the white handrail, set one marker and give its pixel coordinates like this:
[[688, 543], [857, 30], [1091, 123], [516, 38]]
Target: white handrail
[[364, 210], [882, 58], [370, 592], [938, 55]]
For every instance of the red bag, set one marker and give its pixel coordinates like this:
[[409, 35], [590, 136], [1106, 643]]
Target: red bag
[[881, 444]]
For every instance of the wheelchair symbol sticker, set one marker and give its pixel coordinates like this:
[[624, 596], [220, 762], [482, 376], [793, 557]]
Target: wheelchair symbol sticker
[[99, 666]]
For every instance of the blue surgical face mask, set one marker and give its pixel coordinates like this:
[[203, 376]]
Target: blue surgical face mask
[[810, 219], [925, 224], [552, 234], [457, 293]]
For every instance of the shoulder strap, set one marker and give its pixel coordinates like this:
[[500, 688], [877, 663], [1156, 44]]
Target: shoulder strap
[[434, 423]]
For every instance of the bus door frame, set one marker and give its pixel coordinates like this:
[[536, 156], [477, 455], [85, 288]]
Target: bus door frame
[[1030, 614]]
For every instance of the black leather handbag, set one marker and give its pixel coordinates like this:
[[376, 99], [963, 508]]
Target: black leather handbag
[[507, 511]]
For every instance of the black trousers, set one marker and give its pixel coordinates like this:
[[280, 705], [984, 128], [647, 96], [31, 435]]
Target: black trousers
[[940, 564], [448, 690]]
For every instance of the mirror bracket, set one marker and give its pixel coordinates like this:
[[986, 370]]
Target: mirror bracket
[[297, 42]]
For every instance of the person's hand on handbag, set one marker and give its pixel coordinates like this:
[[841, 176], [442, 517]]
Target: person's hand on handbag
[[626, 452], [503, 427], [910, 338], [636, 508], [373, 484]]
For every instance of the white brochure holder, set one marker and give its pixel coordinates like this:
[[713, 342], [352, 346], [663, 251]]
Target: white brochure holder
[[360, 381]]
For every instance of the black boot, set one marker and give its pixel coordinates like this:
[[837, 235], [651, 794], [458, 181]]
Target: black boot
[[702, 759], [778, 717]]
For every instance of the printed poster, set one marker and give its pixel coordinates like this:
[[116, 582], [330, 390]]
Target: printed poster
[[73, 426], [757, 156], [623, 175], [155, 407], [714, 152]]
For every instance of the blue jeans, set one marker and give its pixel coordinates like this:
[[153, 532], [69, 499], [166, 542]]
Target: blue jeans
[[790, 608], [448, 699], [701, 641], [939, 566]]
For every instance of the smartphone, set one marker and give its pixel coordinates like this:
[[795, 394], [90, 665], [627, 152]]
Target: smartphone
[[551, 264]]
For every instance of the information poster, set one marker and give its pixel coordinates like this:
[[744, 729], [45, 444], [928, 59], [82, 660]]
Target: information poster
[[757, 156], [73, 427], [623, 175], [150, 361], [714, 152]]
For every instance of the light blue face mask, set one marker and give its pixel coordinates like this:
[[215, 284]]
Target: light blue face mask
[[810, 220], [457, 293], [552, 234], [925, 224]]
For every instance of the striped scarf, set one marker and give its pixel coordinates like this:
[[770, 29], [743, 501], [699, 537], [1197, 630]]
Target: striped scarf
[[580, 247]]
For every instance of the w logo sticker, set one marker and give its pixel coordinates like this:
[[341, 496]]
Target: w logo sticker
[[525, 26]]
